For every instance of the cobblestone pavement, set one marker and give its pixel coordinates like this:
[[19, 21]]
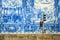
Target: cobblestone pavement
[[30, 37]]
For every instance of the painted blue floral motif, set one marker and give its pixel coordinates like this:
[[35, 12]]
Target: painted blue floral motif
[[24, 16]]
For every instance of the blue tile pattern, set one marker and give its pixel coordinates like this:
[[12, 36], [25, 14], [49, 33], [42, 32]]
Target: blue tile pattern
[[23, 16]]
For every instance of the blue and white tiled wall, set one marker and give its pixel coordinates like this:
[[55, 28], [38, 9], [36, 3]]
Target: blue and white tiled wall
[[23, 16]]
